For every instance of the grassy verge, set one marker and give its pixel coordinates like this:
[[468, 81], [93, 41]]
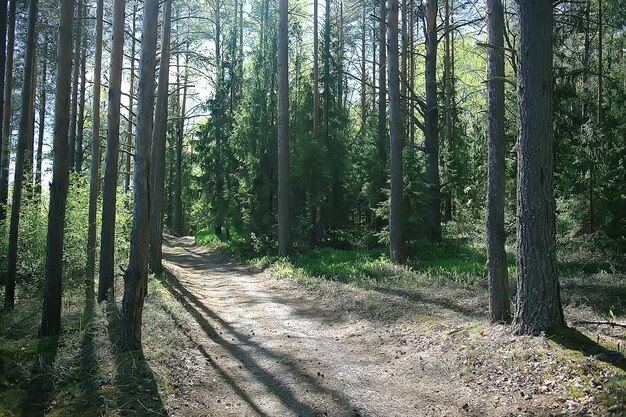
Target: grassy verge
[[81, 372]]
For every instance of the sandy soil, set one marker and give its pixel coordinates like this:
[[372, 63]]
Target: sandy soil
[[267, 347]]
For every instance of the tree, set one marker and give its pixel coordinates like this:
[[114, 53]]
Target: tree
[[496, 255], [431, 120], [158, 145], [75, 79], [22, 145], [538, 296], [396, 134], [94, 175], [42, 121], [53, 289], [131, 99], [136, 276], [109, 195], [284, 221], [6, 115]]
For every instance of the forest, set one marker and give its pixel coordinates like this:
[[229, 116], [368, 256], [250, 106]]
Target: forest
[[312, 207]]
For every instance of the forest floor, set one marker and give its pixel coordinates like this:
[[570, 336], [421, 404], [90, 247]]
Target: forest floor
[[223, 338]]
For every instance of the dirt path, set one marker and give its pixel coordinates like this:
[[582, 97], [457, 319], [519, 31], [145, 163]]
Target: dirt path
[[266, 347]]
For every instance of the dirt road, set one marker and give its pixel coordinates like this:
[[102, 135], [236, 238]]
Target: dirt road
[[267, 347]]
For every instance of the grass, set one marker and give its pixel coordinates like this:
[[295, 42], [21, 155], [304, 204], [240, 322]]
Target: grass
[[81, 372]]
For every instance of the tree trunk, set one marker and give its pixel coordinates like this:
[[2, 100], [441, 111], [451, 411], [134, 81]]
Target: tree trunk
[[431, 131], [42, 120], [136, 277], [53, 289], [3, 70], [75, 76], [94, 177], [6, 115], [449, 121], [538, 297], [316, 71], [382, 142], [22, 144], [363, 74], [78, 158], [131, 99], [396, 133], [109, 195], [496, 255], [158, 145], [284, 221], [177, 215]]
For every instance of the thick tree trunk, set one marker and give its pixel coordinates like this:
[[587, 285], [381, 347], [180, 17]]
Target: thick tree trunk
[[75, 86], [6, 115], [431, 132], [396, 131], [284, 221], [136, 277], [109, 195], [538, 297], [53, 289], [42, 121], [496, 255], [22, 145], [94, 176], [131, 100], [158, 145]]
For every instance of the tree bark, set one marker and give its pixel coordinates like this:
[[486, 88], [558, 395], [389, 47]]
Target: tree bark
[[3, 70], [158, 145], [131, 99], [94, 176], [78, 158], [109, 195], [136, 276], [449, 120], [22, 145], [53, 289], [177, 215], [497, 274], [284, 221], [538, 297], [75, 86], [382, 142], [6, 115], [431, 131], [396, 133], [42, 121], [316, 71]]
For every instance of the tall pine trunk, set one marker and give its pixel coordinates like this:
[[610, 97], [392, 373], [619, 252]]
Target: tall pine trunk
[[158, 145], [396, 133], [6, 115], [53, 289], [42, 121], [94, 175], [284, 221], [431, 129], [22, 145], [136, 276], [131, 100], [496, 255], [75, 86], [538, 295], [80, 135], [109, 195]]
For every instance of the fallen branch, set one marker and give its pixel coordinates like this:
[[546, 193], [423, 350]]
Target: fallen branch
[[602, 323]]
